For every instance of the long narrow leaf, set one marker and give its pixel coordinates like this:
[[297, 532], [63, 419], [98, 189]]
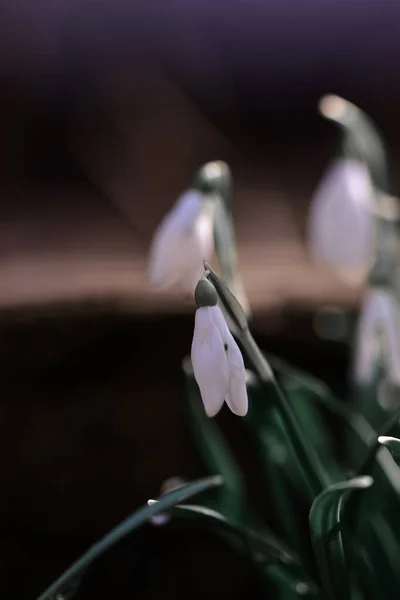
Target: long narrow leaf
[[138, 518], [326, 517]]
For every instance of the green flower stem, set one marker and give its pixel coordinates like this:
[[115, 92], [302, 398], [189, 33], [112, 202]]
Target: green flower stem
[[316, 476], [214, 181], [309, 463], [386, 430], [326, 516], [225, 242], [368, 464]]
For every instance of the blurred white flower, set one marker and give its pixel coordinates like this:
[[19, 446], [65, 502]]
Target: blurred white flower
[[218, 364], [169, 485], [341, 220], [183, 239], [378, 333]]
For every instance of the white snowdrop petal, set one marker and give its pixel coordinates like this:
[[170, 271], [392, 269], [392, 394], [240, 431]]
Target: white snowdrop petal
[[236, 397], [340, 219], [175, 253], [186, 209], [160, 519], [210, 365], [379, 318], [165, 256], [201, 247], [203, 236], [220, 323], [237, 394]]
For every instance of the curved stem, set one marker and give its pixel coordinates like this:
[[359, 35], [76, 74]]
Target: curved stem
[[126, 527], [309, 463], [368, 464], [361, 139]]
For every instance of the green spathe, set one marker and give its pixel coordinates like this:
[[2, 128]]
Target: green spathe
[[205, 294]]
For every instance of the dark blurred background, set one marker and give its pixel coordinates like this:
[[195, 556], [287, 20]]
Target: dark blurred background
[[106, 109]]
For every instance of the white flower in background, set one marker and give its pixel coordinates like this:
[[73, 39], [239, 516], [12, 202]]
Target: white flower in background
[[378, 332], [183, 239], [217, 362], [341, 219], [169, 485]]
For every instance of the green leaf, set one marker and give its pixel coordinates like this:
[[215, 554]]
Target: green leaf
[[386, 478], [141, 516], [386, 551], [302, 390], [326, 516], [275, 560], [392, 443], [214, 450], [310, 468], [265, 547], [276, 461], [364, 435], [368, 580], [292, 586]]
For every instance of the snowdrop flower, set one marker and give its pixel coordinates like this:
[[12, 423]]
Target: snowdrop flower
[[169, 485], [217, 362], [341, 219], [378, 332], [183, 239]]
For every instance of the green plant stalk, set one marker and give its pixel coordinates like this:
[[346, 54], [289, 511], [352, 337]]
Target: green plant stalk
[[224, 240], [268, 547], [326, 515], [368, 464], [286, 512], [301, 389], [138, 518], [316, 476], [265, 551]]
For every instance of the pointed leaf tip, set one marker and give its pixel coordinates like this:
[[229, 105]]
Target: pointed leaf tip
[[390, 442]]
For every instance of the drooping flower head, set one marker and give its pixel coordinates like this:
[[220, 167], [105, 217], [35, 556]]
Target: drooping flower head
[[378, 337], [341, 211], [217, 362], [181, 242]]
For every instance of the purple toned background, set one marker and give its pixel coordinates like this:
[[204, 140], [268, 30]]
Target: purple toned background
[[106, 108]]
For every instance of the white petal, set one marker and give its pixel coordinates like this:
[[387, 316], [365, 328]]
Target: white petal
[[220, 323], [201, 248], [237, 394], [379, 323], [210, 365], [173, 251], [160, 519], [236, 397], [187, 208], [340, 219], [165, 255]]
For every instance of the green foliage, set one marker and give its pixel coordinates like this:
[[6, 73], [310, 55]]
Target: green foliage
[[326, 523]]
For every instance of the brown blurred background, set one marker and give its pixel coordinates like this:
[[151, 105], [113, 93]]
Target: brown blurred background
[[106, 109]]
